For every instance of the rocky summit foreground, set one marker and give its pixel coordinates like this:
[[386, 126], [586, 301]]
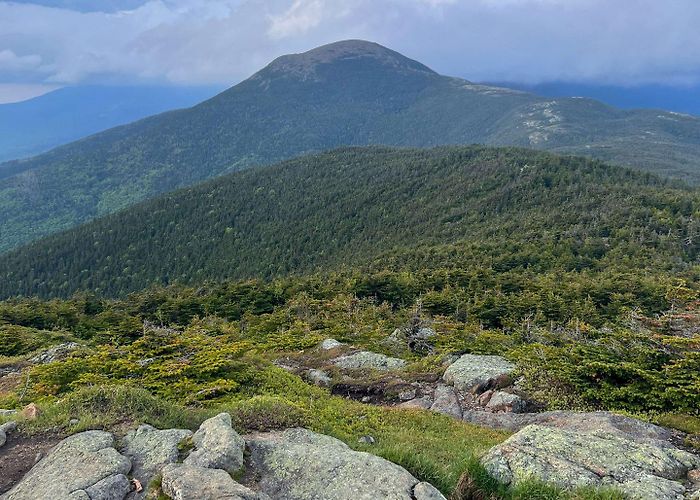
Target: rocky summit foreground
[[296, 464]]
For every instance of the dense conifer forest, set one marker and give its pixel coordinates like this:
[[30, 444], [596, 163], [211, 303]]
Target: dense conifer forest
[[479, 214]]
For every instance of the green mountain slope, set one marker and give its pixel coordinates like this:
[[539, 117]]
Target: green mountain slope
[[469, 207], [347, 93]]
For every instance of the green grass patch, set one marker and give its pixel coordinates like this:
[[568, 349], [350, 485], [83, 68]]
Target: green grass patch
[[690, 424], [112, 407]]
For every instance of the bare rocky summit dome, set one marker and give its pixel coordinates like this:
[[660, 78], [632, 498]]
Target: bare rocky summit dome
[[304, 64]]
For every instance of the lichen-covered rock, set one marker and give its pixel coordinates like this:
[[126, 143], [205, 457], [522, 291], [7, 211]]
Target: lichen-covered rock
[[627, 427], [476, 373], [110, 488], [583, 454], [647, 487], [150, 450], [76, 464], [7, 413], [446, 401], [426, 491], [329, 344], [5, 429], [318, 377], [298, 464], [505, 401], [217, 445], [55, 353], [424, 333], [369, 360], [189, 482]]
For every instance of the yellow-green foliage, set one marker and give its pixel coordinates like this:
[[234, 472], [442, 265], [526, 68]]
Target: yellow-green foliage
[[172, 357], [16, 340]]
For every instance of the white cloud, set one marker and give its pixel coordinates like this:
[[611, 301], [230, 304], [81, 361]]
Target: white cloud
[[12, 92], [223, 41], [302, 16], [9, 61]]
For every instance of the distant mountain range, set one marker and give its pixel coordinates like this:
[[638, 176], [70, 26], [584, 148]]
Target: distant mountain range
[[467, 207], [346, 93], [679, 98], [36, 125]]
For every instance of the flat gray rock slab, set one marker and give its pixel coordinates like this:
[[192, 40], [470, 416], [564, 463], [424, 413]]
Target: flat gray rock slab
[[446, 401], [190, 482], [150, 450], [76, 464], [595, 451], [476, 373], [368, 360], [110, 488], [629, 428], [217, 445], [423, 403], [298, 464]]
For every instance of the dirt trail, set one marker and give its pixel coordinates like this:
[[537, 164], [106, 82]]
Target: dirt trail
[[20, 454]]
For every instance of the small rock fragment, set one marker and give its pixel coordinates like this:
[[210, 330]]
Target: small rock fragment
[[30, 412], [485, 397], [366, 440], [407, 394], [694, 477]]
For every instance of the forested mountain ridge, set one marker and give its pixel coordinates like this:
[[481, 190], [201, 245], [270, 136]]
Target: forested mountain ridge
[[449, 207], [347, 93]]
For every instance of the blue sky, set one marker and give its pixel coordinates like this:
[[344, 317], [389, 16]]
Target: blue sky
[[194, 42]]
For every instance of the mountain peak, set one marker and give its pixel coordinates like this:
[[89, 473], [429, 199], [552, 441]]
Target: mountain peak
[[305, 64]]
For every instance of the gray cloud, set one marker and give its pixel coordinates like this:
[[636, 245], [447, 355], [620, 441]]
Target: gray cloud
[[208, 41]]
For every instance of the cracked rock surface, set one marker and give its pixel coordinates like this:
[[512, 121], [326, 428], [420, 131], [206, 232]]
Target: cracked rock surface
[[82, 463], [596, 449], [217, 445], [150, 450], [298, 464]]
